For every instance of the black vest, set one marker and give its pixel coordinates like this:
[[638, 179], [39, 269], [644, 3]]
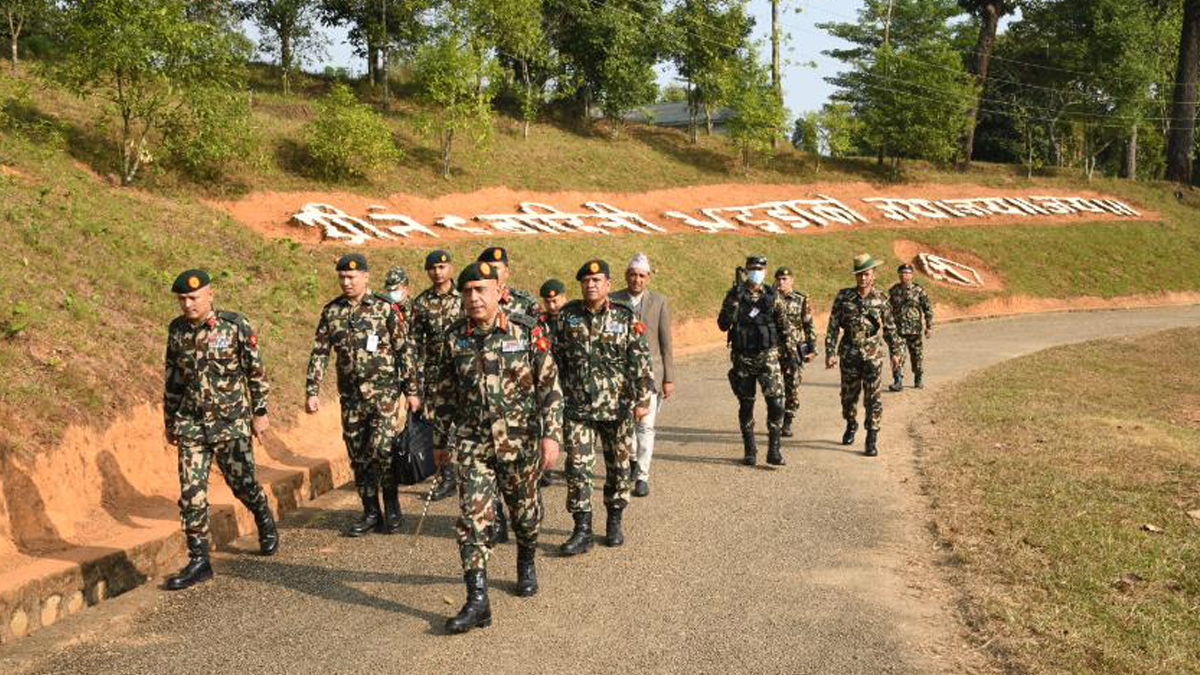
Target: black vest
[[754, 329]]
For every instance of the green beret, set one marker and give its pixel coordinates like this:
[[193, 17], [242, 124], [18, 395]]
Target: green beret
[[905, 268], [352, 262], [494, 254], [756, 261], [395, 278], [476, 271], [190, 280], [592, 267], [436, 258], [783, 272], [552, 288]]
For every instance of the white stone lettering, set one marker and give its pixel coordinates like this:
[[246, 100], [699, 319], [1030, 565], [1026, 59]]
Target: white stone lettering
[[941, 269]]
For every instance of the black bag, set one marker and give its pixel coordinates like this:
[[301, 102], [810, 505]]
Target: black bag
[[412, 452]]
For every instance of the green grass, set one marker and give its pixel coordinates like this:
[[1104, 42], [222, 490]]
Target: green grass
[[1043, 472]]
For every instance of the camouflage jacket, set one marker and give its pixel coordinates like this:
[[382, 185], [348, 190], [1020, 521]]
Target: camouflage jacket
[[909, 306], [374, 361], [732, 316], [433, 313], [496, 383], [799, 314], [517, 300], [865, 325], [604, 361], [549, 324], [214, 379]]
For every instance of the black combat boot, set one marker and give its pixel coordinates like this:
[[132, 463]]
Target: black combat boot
[[581, 538], [500, 525], [477, 612], [613, 536], [871, 450], [897, 382], [787, 424], [526, 571], [848, 435], [446, 484], [393, 519], [774, 456], [198, 568], [268, 534], [546, 480], [750, 458], [917, 381], [370, 519]]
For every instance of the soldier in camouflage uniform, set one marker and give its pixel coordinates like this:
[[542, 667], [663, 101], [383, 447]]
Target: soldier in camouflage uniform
[[762, 339], [395, 291], [554, 295], [496, 385], [799, 312], [374, 368], [433, 311], [511, 299], [214, 398], [910, 307], [864, 319], [606, 378]]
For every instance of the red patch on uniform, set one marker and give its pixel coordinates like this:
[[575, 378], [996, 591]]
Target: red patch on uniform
[[253, 340], [639, 327], [542, 344], [537, 330], [212, 321]]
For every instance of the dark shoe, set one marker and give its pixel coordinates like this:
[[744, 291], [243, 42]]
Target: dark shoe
[[446, 484], [499, 526], [871, 450], [581, 537], [917, 383], [633, 469], [393, 519], [370, 519], [613, 536], [545, 480], [774, 456], [897, 383], [750, 458], [641, 488], [268, 534], [787, 425], [477, 612], [198, 568], [526, 571], [848, 435]]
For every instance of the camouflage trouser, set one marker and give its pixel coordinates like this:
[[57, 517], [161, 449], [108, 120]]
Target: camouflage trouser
[[480, 475], [792, 377], [865, 375], [914, 345], [615, 438], [368, 428], [761, 369], [236, 461]]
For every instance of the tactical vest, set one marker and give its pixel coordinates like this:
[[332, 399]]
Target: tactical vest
[[754, 329]]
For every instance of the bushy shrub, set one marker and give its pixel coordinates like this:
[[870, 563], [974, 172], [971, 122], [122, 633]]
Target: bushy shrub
[[212, 132], [348, 139]]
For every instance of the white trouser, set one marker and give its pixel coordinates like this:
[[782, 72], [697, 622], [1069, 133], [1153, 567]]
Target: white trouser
[[643, 439]]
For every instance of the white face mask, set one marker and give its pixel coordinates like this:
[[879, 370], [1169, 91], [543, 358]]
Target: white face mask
[[756, 276]]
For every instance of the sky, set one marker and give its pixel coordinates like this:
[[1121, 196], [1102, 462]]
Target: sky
[[803, 70]]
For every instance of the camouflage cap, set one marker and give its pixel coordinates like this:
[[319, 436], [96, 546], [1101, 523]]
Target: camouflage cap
[[783, 272], [436, 258], [592, 267], [395, 278], [864, 262], [494, 254], [552, 288], [190, 280], [352, 262], [756, 262], [476, 271]]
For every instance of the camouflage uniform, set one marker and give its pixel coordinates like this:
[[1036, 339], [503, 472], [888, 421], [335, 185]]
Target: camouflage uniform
[[374, 367], [605, 371], [799, 314], [433, 314], [866, 325], [215, 381], [498, 389], [910, 306], [517, 300]]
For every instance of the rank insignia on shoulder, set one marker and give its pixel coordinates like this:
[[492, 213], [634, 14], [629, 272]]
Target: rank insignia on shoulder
[[639, 327]]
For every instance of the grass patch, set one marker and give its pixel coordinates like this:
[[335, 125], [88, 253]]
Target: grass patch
[[1044, 473]]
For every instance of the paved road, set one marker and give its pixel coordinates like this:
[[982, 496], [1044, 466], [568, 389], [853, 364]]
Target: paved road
[[823, 566]]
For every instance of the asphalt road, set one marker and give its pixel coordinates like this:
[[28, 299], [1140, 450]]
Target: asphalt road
[[823, 566]]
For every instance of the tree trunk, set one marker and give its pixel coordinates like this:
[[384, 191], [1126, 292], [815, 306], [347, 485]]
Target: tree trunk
[[776, 80], [708, 120], [285, 59], [372, 61], [1131, 151], [13, 43], [693, 114], [528, 96], [988, 23], [15, 23], [447, 142], [1183, 106]]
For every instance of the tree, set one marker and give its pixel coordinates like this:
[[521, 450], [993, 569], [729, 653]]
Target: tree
[[758, 114], [449, 76], [376, 27], [348, 138], [17, 15], [829, 130], [1181, 140], [707, 36], [146, 59], [988, 12], [515, 27], [288, 25]]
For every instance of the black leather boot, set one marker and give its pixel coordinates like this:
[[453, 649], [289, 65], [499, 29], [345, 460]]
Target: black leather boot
[[393, 519], [526, 571], [198, 568], [268, 534], [897, 382], [581, 537], [446, 485], [917, 381], [750, 450], [871, 450], [787, 425], [774, 456], [500, 525], [848, 435], [370, 519], [613, 536], [477, 612]]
